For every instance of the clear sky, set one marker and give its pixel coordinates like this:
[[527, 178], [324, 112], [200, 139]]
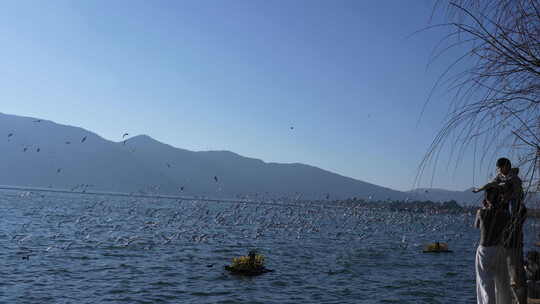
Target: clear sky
[[236, 75]]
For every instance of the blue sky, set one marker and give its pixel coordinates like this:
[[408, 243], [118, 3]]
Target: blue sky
[[236, 75]]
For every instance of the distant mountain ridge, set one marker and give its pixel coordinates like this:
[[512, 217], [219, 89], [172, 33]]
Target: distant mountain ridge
[[41, 153]]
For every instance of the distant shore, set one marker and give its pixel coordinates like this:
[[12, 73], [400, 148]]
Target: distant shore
[[394, 205], [424, 206]]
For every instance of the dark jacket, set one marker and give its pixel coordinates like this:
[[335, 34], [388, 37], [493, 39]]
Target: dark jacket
[[513, 233], [512, 188]]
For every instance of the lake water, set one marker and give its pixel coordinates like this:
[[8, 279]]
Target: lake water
[[74, 248]]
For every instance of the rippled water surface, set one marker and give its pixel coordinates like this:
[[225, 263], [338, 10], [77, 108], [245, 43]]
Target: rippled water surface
[[73, 248]]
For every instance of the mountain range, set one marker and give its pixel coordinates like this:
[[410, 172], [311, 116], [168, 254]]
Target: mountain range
[[41, 153]]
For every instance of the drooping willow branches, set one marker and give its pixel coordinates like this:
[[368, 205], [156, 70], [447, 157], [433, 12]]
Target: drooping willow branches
[[494, 86]]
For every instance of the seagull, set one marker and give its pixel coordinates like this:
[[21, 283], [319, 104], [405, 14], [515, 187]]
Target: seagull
[[403, 243], [83, 139], [125, 134]]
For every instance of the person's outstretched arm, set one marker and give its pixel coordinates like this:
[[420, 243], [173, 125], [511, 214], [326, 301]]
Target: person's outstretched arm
[[486, 186]]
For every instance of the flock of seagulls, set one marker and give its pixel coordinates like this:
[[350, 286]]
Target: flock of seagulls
[[104, 223], [67, 142], [84, 138]]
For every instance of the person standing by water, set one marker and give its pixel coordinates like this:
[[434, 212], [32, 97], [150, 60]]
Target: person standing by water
[[512, 202], [513, 244], [492, 280], [507, 178]]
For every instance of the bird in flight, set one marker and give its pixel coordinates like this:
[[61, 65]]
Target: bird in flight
[[83, 139], [125, 134]]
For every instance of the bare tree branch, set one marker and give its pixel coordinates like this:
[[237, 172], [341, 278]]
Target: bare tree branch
[[495, 103]]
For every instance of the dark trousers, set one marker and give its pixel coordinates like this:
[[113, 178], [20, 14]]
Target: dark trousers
[[516, 271]]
